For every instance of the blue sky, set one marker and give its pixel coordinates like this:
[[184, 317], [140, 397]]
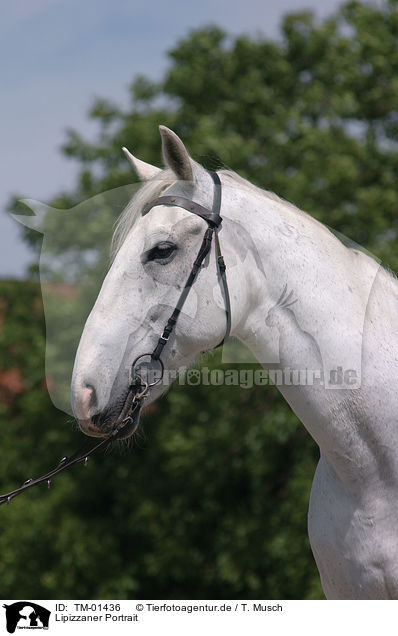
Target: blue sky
[[57, 55]]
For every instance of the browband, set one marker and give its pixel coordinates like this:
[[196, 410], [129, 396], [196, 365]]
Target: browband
[[213, 218]]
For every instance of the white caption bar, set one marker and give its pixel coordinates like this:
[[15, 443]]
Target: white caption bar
[[152, 618]]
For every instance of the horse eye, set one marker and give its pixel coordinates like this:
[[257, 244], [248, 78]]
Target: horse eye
[[160, 252]]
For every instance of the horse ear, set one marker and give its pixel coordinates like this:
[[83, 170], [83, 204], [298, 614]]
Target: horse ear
[[144, 171], [176, 155]]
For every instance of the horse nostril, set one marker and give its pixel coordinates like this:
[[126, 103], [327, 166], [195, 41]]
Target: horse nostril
[[85, 401], [93, 396]]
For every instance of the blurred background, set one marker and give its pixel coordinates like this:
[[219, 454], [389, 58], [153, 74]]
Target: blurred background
[[301, 98]]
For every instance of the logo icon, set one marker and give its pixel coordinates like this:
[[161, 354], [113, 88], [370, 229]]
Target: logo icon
[[26, 615]]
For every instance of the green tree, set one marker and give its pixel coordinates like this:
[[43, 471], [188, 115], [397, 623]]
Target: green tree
[[213, 503]]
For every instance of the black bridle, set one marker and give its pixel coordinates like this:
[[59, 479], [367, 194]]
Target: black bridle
[[213, 220], [140, 381]]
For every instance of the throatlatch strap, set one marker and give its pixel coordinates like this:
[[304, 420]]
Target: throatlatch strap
[[221, 267]]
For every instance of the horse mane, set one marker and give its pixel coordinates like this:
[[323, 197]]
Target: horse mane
[[268, 194], [287, 205]]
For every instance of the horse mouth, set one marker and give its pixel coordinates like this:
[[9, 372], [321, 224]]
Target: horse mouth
[[109, 421], [130, 426]]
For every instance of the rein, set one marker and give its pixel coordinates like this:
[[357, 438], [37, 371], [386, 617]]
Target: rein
[[139, 381], [79, 457]]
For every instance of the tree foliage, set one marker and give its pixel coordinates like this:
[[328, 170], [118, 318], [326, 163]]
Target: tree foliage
[[213, 502]]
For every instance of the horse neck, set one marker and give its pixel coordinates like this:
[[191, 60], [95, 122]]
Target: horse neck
[[331, 291]]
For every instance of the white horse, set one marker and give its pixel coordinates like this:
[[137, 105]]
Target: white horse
[[343, 303]]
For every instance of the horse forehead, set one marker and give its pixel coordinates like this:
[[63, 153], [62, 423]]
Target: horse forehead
[[167, 218]]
